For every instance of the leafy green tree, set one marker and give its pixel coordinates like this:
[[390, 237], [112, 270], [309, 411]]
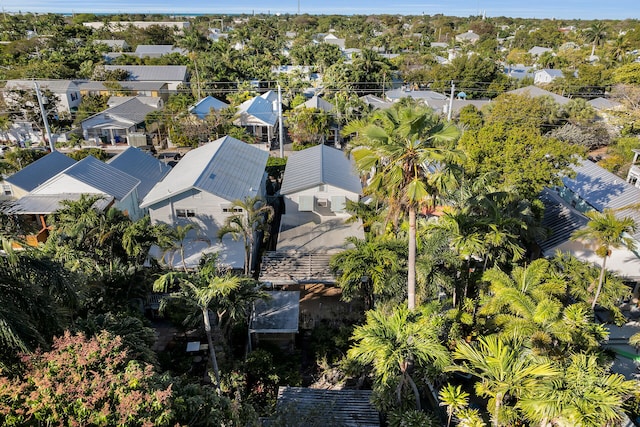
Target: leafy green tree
[[402, 144], [85, 381], [308, 126], [504, 370], [18, 158], [595, 34], [396, 342], [252, 218], [454, 398], [606, 232], [372, 269]]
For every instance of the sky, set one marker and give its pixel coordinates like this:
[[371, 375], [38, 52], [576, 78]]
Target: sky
[[559, 9]]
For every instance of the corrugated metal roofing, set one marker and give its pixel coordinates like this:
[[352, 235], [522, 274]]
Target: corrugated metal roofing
[[33, 204], [152, 72], [103, 177], [127, 85], [604, 190], [142, 166], [40, 171], [158, 49], [319, 103], [319, 165], [399, 93], [534, 92], [346, 408], [261, 109], [55, 86], [604, 104], [132, 110], [560, 219], [227, 167], [203, 108]]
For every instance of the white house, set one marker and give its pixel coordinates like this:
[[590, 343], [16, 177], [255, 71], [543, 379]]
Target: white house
[[31, 176], [546, 75], [92, 176], [201, 188], [66, 91], [260, 116]]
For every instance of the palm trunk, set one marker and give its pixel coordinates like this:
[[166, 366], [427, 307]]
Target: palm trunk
[[411, 273], [496, 414], [212, 350], [416, 393], [600, 283]]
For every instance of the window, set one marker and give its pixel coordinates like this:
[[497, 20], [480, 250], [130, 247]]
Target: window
[[185, 213], [6, 190], [229, 209], [322, 203]]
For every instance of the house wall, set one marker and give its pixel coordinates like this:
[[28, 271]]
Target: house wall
[[291, 201], [16, 192], [209, 214], [65, 184], [130, 205]]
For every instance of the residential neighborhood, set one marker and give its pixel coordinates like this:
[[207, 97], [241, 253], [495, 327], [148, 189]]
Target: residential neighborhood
[[275, 219]]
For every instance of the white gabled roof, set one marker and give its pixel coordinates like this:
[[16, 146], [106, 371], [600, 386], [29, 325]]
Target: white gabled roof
[[228, 168], [319, 165]]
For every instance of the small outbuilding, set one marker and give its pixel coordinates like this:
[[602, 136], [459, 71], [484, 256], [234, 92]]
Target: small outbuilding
[[275, 318]]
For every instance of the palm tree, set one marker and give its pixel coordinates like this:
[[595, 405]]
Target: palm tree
[[607, 232], [394, 342], [454, 398], [583, 394], [253, 217], [595, 34], [370, 268], [193, 41], [201, 289], [405, 147], [505, 370], [178, 240]]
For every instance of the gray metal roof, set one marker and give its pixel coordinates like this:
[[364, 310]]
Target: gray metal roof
[[345, 408], [158, 49], [227, 167], [277, 314], [203, 108], [126, 85], [604, 190], [142, 166], [604, 104], [319, 165], [319, 103], [44, 204], [534, 91], [259, 108], [560, 219], [55, 86], [399, 93], [132, 110], [103, 177], [153, 72], [40, 171]]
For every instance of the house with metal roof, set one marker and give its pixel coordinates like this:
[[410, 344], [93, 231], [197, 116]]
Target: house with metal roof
[[157, 50], [201, 188], [66, 92], [318, 103], [131, 88], [123, 121], [172, 75], [538, 50], [596, 188], [316, 185], [142, 166], [31, 176], [469, 37], [534, 92], [312, 406], [409, 92], [546, 75], [92, 176], [116, 45], [259, 116], [203, 107]]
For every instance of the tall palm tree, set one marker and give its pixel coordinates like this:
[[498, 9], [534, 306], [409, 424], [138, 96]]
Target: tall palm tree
[[253, 216], [607, 232], [406, 147], [505, 370], [201, 289], [178, 240], [596, 34], [394, 342]]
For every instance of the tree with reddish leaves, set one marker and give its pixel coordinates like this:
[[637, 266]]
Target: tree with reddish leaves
[[84, 381]]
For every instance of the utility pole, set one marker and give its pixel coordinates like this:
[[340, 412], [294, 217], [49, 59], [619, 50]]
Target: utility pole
[[44, 117], [453, 88], [280, 126]]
